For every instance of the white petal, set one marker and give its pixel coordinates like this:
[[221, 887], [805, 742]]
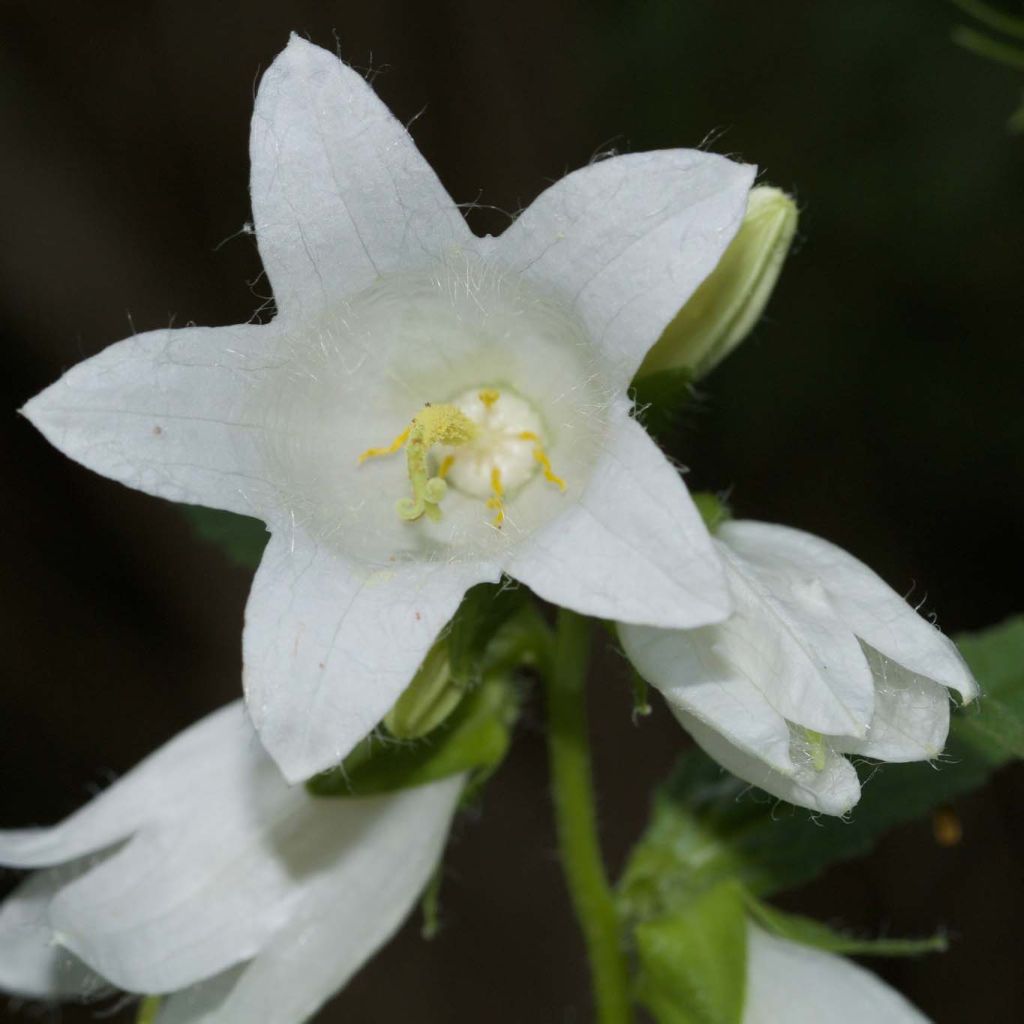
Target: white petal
[[328, 647], [340, 193], [832, 789], [871, 608], [807, 664], [633, 548], [161, 787], [32, 964], [342, 916], [799, 985], [629, 239], [695, 680], [167, 412], [911, 718]]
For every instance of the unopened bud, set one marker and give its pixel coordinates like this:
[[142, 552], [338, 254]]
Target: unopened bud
[[730, 301], [428, 700]]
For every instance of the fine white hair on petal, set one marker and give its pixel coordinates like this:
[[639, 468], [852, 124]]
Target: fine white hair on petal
[[911, 719], [861, 599], [791, 983], [169, 413], [340, 193], [628, 240], [355, 378], [248, 870]]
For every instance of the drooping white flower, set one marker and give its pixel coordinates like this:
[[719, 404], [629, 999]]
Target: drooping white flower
[[526, 460], [791, 983], [819, 659], [204, 875]]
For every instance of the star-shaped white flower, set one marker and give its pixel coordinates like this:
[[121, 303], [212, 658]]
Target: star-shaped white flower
[[202, 875], [820, 659], [527, 460]]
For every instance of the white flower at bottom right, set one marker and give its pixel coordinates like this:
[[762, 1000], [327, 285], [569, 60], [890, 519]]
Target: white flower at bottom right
[[800, 985], [821, 658]]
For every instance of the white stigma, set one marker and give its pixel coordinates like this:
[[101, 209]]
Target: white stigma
[[510, 430]]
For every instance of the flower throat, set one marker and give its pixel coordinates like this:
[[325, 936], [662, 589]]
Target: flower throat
[[490, 444]]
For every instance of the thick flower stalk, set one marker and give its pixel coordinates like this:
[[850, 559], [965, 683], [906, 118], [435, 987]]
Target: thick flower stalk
[[796, 984], [819, 660], [427, 410], [203, 876]]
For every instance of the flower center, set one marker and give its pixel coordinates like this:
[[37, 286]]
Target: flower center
[[489, 444]]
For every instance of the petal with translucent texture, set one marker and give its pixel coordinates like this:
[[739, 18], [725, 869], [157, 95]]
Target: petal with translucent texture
[[169, 413], [800, 985], [831, 788], [340, 918], [695, 680], [628, 239], [32, 964], [911, 718], [340, 193], [862, 599], [634, 547], [329, 647], [807, 664]]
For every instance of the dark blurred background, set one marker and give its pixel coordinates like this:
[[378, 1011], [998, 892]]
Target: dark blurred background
[[879, 404]]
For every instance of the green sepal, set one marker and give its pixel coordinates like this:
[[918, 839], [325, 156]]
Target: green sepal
[[474, 738], [809, 932], [240, 538], [692, 964]]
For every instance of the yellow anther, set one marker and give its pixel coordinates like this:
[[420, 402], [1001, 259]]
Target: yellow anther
[[446, 463], [542, 457], [497, 502], [373, 453], [432, 425], [489, 396]]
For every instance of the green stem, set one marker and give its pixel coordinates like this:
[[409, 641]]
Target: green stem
[[573, 791]]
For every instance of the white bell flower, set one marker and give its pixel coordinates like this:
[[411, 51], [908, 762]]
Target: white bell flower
[[819, 659], [791, 983], [500, 367], [202, 874]]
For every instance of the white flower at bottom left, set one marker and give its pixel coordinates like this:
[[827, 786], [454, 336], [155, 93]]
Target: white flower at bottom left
[[204, 876]]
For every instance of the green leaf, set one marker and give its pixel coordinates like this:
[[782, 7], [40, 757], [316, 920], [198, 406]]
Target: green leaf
[[242, 539], [707, 827], [692, 964], [474, 737], [808, 932]]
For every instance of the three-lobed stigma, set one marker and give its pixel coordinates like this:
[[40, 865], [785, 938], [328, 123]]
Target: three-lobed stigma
[[491, 445]]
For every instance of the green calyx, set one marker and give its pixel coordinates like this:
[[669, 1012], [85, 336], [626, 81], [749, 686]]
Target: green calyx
[[730, 301]]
